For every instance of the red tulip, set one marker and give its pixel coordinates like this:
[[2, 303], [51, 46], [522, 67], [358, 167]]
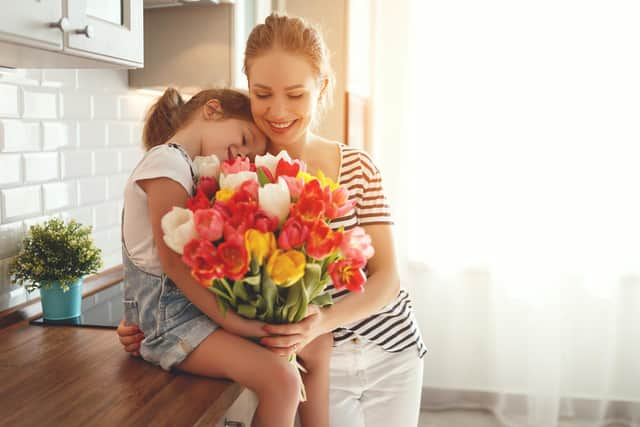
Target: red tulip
[[293, 234], [202, 257], [322, 241], [208, 185], [199, 201], [346, 275]]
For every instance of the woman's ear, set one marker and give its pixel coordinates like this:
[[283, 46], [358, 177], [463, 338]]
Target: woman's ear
[[212, 110], [324, 83]]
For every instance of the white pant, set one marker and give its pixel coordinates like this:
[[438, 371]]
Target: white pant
[[370, 387]]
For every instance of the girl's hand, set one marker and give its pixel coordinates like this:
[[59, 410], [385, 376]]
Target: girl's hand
[[130, 337], [291, 338], [244, 327]]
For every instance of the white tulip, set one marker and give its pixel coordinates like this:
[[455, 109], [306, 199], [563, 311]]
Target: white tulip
[[207, 165], [275, 199], [271, 161], [234, 180], [178, 228]]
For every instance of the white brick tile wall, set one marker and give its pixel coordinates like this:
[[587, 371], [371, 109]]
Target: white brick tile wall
[[68, 142], [40, 167], [115, 186], [10, 237], [130, 157], [92, 134], [136, 134], [103, 80], [106, 215], [83, 215], [105, 107], [36, 220], [40, 104], [21, 202], [75, 105], [58, 134], [59, 195], [75, 164], [59, 78], [9, 101], [17, 136], [92, 190], [119, 134], [11, 167], [106, 162], [22, 77], [134, 107]]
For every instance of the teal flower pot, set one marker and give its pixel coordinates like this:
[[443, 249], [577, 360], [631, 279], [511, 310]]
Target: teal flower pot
[[57, 304]]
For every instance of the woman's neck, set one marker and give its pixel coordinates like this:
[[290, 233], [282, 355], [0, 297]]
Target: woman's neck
[[295, 149]]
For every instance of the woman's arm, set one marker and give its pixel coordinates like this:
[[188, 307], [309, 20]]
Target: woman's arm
[[162, 195], [381, 288]]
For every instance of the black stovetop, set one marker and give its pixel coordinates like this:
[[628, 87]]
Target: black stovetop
[[103, 309]]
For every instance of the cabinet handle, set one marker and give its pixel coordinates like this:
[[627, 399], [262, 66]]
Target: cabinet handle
[[63, 24], [87, 31], [229, 423]]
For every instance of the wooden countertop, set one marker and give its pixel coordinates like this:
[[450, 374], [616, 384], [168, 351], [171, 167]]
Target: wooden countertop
[[77, 376]]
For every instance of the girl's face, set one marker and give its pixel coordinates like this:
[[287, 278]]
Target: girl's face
[[284, 92], [231, 137]]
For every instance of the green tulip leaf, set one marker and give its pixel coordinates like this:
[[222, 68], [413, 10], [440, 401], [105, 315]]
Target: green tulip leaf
[[247, 311]]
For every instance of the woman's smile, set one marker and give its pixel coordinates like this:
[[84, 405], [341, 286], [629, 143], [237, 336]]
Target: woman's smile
[[280, 127]]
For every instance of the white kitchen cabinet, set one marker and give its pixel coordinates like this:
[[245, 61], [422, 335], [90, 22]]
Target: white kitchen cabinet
[[26, 22], [106, 29], [71, 33]]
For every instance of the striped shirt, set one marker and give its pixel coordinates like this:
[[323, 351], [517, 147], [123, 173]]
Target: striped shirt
[[394, 327]]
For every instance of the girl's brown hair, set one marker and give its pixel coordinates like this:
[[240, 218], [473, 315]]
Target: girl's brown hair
[[169, 113], [297, 36]]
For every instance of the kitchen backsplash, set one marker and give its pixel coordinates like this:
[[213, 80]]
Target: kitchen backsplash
[[68, 141]]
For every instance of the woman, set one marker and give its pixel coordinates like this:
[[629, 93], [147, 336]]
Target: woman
[[376, 366]]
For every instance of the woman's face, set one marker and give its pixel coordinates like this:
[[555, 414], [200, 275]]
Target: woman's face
[[284, 91], [229, 138]]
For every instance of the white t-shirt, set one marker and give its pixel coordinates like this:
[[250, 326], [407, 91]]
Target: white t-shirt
[[166, 160]]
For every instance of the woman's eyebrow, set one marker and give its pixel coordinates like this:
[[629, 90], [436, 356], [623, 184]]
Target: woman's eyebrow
[[261, 86]]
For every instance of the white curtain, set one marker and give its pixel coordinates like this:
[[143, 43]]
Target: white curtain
[[508, 133]]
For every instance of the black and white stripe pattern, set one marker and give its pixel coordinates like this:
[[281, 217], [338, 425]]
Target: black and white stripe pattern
[[394, 327]]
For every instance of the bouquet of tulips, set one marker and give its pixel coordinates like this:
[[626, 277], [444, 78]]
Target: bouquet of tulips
[[258, 236]]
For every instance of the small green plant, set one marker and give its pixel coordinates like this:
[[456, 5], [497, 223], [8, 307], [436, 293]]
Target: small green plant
[[55, 251]]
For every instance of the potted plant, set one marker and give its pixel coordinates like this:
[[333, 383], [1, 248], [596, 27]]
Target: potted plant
[[54, 257]]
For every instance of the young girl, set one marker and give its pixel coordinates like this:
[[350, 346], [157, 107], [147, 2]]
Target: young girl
[[181, 321]]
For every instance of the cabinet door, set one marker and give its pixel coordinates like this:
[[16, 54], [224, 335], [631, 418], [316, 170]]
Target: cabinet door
[[110, 28], [27, 22]]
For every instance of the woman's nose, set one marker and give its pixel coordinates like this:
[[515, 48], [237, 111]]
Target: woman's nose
[[278, 108]]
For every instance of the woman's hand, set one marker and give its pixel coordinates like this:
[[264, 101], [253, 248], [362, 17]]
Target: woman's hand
[[290, 338], [130, 337]]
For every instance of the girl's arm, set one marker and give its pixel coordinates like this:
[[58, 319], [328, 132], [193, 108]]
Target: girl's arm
[[381, 288], [162, 195]]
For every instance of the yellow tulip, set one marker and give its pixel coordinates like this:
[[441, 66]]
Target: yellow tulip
[[324, 180], [224, 194], [260, 245], [286, 267]]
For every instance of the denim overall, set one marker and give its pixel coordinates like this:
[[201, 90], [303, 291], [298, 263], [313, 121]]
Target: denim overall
[[172, 325]]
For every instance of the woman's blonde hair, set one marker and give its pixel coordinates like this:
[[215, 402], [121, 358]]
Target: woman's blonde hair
[[169, 113], [294, 35]]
